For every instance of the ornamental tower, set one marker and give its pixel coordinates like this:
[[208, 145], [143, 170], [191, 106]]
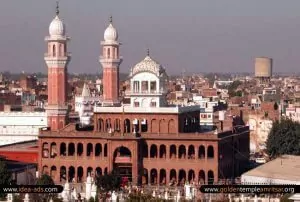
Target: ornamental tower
[[110, 61], [57, 59]]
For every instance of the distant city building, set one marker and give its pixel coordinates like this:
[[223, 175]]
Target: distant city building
[[263, 68]]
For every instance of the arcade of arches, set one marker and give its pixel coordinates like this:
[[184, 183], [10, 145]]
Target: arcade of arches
[[150, 125], [122, 160]]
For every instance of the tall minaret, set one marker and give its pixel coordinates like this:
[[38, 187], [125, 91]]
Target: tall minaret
[[57, 59], [110, 61]]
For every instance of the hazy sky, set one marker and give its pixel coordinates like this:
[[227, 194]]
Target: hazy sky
[[196, 35]]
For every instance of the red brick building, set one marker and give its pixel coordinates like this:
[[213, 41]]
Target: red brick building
[[145, 140]]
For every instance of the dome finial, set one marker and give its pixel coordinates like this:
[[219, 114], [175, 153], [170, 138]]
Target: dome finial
[[57, 7], [148, 52], [110, 19]]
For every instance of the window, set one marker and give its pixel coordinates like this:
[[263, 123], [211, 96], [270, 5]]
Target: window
[[54, 51], [153, 104], [136, 104]]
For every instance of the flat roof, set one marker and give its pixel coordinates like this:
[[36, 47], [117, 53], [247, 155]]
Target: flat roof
[[286, 167], [27, 146]]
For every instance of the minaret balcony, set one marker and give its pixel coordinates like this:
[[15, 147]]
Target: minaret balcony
[[49, 55]]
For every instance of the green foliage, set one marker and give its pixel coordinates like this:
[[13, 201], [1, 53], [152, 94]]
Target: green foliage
[[17, 198], [45, 180], [134, 197], [276, 106], [5, 176], [285, 198], [232, 88], [109, 182], [91, 199], [284, 138]]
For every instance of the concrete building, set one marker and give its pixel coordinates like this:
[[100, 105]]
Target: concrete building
[[20, 126], [282, 170], [263, 69]]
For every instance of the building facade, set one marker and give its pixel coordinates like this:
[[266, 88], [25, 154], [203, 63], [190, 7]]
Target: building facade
[[147, 140]]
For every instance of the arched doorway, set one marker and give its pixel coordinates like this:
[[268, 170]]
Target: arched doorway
[[123, 163]]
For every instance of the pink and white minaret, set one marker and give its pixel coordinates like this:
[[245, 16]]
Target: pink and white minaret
[[57, 59], [110, 61]]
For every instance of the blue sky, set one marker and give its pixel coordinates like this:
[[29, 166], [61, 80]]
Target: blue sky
[[196, 35]]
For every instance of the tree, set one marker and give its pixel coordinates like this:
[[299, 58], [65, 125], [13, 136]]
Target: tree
[[108, 182], [275, 106], [45, 180], [284, 138], [5, 176]]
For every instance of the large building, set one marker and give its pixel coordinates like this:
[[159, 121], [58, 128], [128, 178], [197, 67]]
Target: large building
[[20, 126], [147, 141]]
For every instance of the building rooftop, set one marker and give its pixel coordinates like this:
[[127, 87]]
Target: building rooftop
[[28, 146], [286, 167]]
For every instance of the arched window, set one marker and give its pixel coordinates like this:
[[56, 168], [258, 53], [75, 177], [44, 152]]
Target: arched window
[[54, 50], [108, 53]]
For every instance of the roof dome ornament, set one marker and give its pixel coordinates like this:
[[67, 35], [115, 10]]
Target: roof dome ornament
[[57, 27], [57, 8], [148, 65], [110, 34]]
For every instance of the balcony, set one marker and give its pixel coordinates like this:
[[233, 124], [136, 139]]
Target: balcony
[[123, 159], [151, 92], [67, 54]]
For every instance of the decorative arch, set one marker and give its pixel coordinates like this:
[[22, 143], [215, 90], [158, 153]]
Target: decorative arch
[[108, 125], [153, 177], [210, 152], [71, 149], [53, 172], [171, 126], [117, 125], [145, 176], [182, 176], [191, 152], [127, 125], [153, 151], [201, 177], [182, 151], [79, 149], [54, 50], [89, 149], [98, 149], [210, 177], [173, 151], [162, 176], [45, 170], [162, 151], [163, 128], [63, 149], [154, 126], [100, 125], [79, 174], [173, 176], [201, 152], [191, 176], [53, 150], [63, 174]]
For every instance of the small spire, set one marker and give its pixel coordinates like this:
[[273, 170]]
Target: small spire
[[148, 52], [110, 19], [57, 7]]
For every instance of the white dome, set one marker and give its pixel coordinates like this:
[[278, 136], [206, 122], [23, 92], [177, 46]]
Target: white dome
[[57, 27], [110, 33], [148, 65]]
